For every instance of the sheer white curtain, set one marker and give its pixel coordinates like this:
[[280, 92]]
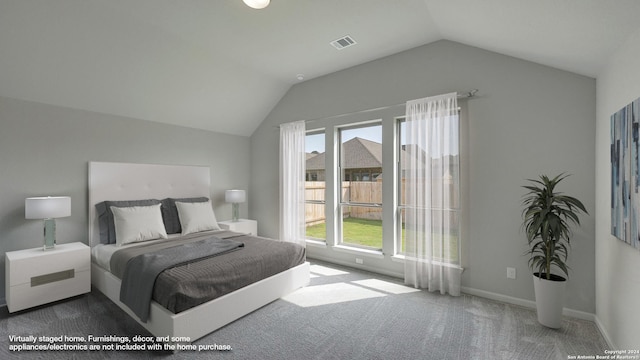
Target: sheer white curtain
[[431, 168], [292, 168]]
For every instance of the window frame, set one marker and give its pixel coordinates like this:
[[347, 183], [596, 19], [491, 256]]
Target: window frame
[[340, 177], [399, 176]]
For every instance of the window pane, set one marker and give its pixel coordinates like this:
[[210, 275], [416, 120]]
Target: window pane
[[315, 187], [361, 164], [362, 226], [444, 229], [402, 153], [314, 147], [316, 223], [362, 192]]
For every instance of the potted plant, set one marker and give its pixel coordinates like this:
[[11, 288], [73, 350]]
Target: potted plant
[[547, 219]]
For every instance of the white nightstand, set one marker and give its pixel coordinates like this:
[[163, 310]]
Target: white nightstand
[[35, 277], [245, 226]]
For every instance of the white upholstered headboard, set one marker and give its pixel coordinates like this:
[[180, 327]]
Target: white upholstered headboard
[[125, 181]]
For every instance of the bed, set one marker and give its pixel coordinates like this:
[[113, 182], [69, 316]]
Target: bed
[[124, 181]]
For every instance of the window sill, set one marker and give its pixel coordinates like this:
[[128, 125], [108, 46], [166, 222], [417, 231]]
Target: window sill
[[348, 249], [316, 243], [401, 259]]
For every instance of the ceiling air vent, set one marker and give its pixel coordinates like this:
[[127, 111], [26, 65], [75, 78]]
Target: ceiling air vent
[[343, 42]]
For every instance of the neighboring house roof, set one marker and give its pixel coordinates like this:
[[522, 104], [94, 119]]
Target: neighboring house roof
[[359, 153], [315, 162]]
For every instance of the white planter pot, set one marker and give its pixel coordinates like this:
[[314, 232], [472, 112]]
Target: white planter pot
[[549, 301]]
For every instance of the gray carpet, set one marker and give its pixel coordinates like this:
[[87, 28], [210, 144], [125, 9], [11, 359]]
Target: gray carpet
[[343, 314]]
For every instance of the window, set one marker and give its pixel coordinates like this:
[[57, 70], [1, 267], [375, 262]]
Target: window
[[446, 221], [351, 211], [360, 200], [315, 186]]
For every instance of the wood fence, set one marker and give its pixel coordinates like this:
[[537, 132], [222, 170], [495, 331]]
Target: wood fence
[[360, 192], [354, 191]]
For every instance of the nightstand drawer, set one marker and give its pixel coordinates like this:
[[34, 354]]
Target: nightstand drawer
[[24, 296], [35, 277]]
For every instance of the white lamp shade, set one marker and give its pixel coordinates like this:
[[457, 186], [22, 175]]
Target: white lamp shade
[[235, 196], [257, 4], [47, 207]]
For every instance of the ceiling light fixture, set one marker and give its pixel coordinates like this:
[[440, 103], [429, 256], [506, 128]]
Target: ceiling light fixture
[[257, 4]]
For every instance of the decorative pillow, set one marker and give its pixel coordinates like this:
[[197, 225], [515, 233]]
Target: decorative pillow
[[138, 223], [105, 216], [170, 213], [196, 217]]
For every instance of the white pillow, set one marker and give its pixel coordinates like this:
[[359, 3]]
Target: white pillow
[[138, 223], [196, 217]]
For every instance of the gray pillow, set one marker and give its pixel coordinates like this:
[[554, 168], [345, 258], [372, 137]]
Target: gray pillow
[[105, 216], [170, 213]]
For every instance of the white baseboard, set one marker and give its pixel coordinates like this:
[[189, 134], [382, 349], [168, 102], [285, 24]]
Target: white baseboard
[[605, 334], [526, 303]]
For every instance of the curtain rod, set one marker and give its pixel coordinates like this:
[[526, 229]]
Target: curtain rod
[[465, 95]]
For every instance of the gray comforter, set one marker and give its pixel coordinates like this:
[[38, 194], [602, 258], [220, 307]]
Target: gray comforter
[[141, 271], [185, 286]]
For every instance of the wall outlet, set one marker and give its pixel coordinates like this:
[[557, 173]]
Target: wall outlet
[[359, 261], [511, 273]]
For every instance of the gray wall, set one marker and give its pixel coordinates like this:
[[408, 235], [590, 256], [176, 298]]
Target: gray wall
[[617, 264], [44, 150], [528, 120]]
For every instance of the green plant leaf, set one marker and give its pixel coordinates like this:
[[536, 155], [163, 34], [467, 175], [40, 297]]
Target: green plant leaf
[[547, 219]]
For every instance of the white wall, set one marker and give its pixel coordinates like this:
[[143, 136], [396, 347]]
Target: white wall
[[529, 119], [45, 150], [617, 264]]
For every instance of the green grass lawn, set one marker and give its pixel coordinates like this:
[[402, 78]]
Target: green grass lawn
[[362, 232], [355, 231], [368, 233]]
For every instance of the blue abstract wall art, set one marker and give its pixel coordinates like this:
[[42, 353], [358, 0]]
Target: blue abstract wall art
[[625, 174]]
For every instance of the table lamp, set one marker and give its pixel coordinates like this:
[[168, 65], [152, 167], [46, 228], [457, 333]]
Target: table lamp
[[48, 208], [235, 197]]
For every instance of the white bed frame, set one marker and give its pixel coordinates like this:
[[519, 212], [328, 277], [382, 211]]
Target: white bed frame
[[123, 181]]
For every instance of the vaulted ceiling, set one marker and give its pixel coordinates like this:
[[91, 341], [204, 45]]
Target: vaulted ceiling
[[220, 65]]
